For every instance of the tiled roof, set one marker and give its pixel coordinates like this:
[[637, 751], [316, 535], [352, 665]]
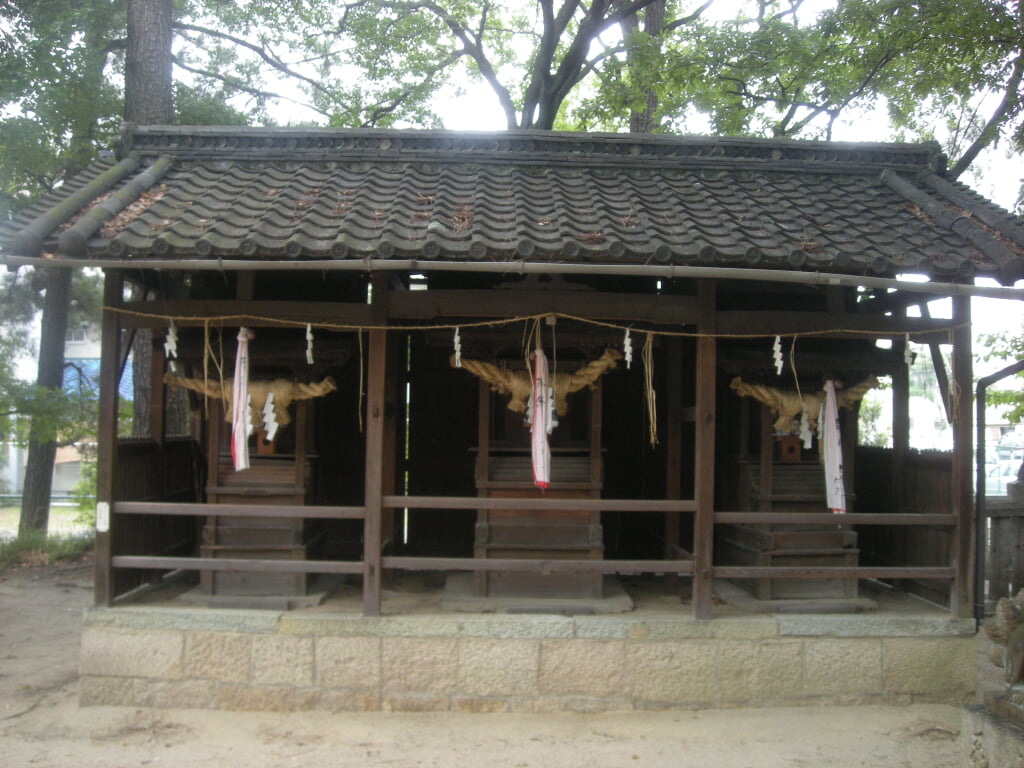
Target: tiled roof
[[282, 194]]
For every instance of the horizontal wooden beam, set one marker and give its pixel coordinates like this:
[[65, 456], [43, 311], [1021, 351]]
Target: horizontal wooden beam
[[140, 314], [238, 510], [556, 505], [634, 307], [789, 322], [537, 566], [850, 518], [799, 572], [237, 564]]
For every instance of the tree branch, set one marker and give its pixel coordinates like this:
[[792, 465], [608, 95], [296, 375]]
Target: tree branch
[[1007, 108], [474, 49], [259, 50], [243, 87], [682, 22]]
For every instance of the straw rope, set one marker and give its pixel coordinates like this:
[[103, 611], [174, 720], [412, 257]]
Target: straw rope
[[256, 320]]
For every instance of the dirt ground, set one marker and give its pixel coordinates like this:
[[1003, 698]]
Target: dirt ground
[[41, 723]]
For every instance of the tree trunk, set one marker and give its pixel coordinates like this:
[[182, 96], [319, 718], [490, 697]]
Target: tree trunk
[[148, 100], [644, 120], [148, 94], [42, 448]]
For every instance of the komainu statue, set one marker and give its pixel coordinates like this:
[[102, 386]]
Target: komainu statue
[[1006, 630]]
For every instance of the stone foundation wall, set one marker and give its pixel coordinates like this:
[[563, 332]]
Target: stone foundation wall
[[263, 660]]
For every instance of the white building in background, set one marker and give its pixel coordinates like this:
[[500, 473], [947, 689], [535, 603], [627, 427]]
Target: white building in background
[[81, 354]]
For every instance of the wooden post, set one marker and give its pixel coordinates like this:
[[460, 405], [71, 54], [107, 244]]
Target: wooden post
[[900, 423], [389, 449], [766, 461], [704, 521], [157, 415], [960, 600], [375, 416], [481, 579], [765, 486], [673, 453], [106, 450]]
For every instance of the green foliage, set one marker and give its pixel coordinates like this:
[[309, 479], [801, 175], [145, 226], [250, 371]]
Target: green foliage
[[1008, 347], [776, 69], [871, 431], [36, 548], [84, 491], [68, 415]]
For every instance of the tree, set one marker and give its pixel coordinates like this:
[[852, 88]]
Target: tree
[[1008, 347], [148, 75], [62, 101], [775, 69], [80, 120]]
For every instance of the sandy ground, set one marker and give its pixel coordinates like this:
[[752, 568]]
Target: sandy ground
[[41, 723]]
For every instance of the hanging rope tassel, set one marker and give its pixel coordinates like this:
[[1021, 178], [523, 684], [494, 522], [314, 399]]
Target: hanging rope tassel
[[650, 396]]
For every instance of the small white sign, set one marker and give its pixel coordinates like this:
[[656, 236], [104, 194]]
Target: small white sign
[[102, 517]]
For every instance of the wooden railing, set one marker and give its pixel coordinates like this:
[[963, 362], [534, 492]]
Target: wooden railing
[[137, 508], [684, 564]]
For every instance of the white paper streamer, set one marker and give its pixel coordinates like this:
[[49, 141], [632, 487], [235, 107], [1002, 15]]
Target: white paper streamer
[[777, 355], [309, 344], [457, 342], [833, 450], [269, 417], [171, 342], [241, 425], [627, 349]]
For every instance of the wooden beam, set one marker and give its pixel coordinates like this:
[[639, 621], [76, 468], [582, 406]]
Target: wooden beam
[[873, 360], [939, 364], [830, 518], [704, 470], [554, 505], [797, 572], [374, 471], [632, 307], [238, 564], [153, 314], [482, 565], [840, 324], [963, 451], [238, 510], [106, 448]]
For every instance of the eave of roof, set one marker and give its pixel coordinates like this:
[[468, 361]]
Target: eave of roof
[[181, 194]]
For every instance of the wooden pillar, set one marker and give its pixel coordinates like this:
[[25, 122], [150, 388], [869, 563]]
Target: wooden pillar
[[963, 452], [394, 382], [481, 580], [704, 522], [766, 460], [673, 453], [900, 424], [157, 416], [106, 450], [376, 393]]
